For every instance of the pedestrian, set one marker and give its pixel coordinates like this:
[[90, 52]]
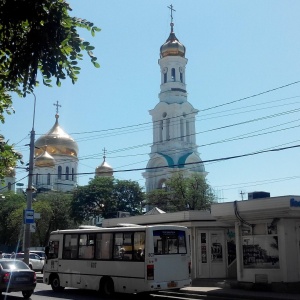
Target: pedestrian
[[1, 256]]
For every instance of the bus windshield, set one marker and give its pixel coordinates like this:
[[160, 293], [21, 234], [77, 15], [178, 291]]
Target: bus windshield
[[169, 242]]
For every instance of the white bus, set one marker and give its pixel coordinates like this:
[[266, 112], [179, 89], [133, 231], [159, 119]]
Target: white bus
[[125, 259]]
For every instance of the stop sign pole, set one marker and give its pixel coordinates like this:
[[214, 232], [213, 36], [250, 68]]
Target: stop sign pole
[[29, 190]]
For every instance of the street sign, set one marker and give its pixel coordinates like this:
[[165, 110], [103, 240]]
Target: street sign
[[28, 216], [32, 227]]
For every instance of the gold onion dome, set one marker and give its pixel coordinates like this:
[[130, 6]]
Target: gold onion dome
[[58, 142], [172, 46], [44, 160], [104, 169]]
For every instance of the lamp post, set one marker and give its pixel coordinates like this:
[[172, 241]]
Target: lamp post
[[29, 189]]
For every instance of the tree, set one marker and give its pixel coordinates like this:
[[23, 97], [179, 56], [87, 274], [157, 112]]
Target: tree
[[11, 219], [183, 193], [54, 210], [104, 196], [8, 157], [37, 36]]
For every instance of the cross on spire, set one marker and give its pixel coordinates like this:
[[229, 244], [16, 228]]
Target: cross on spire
[[57, 105], [171, 9], [104, 152]]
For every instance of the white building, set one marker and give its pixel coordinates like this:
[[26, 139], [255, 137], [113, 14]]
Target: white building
[[56, 162], [256, 241], [174, 138]]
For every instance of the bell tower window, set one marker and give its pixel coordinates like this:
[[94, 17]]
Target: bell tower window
[[165, 77], [173, 74], [67, 173], [59, 172], [48, 179]]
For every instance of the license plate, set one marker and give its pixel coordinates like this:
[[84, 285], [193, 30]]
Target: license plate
[[172, 284], [22, 279]]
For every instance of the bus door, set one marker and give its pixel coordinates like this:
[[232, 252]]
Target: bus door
[[211, 262]]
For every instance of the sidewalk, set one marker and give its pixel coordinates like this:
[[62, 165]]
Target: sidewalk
[[235, 293]]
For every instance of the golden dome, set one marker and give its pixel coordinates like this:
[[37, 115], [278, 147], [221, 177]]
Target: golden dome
[[172, 46], [58, 142], [44, 160], [104, 170]]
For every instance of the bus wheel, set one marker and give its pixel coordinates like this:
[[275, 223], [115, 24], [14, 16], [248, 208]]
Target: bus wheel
[[107, 288], [55, 284]]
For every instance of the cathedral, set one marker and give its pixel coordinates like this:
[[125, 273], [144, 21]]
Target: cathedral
[[56, 161], [174, 138]]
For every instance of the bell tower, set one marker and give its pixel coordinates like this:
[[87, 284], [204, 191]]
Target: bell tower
[[174, 138]]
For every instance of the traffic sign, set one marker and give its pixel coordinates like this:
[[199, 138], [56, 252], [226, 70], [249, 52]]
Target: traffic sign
[[28, 216], [32, 227]]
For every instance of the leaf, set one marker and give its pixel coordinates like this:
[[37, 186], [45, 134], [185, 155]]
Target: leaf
[[96, 64]]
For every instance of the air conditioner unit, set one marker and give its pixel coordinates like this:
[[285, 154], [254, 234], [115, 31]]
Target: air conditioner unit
[[123, 214]]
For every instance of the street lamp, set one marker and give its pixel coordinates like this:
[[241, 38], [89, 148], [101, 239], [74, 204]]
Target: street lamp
[[29, 190]]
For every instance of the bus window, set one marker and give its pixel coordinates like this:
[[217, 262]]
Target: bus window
[[169, 242], [123, 246], [139, 246], [86, 246], [70, 246], [104, 243]]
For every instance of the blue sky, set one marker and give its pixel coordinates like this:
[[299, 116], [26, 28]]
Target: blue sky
[[236, 51]]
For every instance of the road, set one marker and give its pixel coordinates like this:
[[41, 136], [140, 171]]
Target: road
[[44, 292]]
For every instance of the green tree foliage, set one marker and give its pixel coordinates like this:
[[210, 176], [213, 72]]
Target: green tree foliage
[[104, 196], [38, 37], [11, 219], [183, 193], [8, 157], [54, 209]]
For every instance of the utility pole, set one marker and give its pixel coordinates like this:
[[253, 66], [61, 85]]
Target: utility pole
[[29, 190]]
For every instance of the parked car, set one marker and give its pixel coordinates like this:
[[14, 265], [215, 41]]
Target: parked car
[[40, 253], [36, 263], [16, 276], [6, 255]]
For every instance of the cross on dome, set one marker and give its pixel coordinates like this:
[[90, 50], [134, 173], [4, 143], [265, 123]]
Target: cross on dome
[[57, 105], [171, 9]]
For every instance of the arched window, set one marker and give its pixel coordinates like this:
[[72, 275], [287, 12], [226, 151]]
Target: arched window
[[48, 179], [165, 77], [67, 173], [9, 186], [168, 130], [36, 178], [181, 129], [161, 128], [173, 74], [188, 137], [73, 177], [59, 171], [181, 77]]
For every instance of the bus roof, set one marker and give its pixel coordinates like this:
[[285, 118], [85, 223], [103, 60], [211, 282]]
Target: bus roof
[[121, 227]]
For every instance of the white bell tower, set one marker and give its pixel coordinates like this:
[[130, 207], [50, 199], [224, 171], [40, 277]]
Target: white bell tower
[[174, 138]]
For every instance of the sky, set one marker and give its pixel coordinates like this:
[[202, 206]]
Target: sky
[[243, 75]]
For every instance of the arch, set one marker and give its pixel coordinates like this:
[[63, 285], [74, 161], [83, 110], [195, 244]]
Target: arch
[[59, 171], [67, 173]]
